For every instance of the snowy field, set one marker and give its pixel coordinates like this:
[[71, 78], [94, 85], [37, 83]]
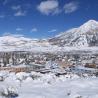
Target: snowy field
[[49, 49], [36, 85]]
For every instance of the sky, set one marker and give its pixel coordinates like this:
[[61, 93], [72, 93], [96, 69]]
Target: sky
[[44, 18]]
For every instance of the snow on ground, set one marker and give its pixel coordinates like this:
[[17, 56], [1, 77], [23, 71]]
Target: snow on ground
[[20, 43], [36, 85]]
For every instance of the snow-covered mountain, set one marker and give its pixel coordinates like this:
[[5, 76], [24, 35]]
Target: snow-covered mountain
[[20, 43], [85, 35]]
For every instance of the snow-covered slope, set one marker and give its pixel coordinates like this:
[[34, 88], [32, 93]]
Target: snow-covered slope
[[37, 85], [11, 42], [85, 35]]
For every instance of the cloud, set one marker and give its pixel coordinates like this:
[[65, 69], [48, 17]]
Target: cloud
[[18, 10], [71, 7], [53, 30], [6, 33], [18, 7], [19, 29], [34, 30], [2, 16], [12, 34], [49, 7], [20, 13], [5, 2]]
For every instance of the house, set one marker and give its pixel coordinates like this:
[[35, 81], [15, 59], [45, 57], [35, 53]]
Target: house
[[63, 64], [23, 68], [82, 69]]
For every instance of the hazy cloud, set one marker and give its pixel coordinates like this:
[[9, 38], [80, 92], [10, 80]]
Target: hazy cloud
[[53, 30], [5, 2], [20, 13], [18, 7], [2, 16], [49, 7], [19, 29], [34, 30], [71, 7]]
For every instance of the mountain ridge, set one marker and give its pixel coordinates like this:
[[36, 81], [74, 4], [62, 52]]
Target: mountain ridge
[[84, 36]]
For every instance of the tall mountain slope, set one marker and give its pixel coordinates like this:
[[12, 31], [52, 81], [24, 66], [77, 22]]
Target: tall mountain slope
[[85, 35]]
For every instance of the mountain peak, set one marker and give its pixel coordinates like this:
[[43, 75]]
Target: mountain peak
[[90, 23], [85, 35]]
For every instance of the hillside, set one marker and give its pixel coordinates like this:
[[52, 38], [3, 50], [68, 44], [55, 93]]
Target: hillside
[[86, 35]]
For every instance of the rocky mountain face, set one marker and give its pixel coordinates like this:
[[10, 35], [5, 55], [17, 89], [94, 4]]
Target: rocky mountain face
[[85, 35]]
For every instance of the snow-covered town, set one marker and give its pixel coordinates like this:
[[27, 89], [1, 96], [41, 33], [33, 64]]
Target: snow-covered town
[[45, 75], [32, 68]]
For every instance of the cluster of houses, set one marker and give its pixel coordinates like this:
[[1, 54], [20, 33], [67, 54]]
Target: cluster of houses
[[8, 60]]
